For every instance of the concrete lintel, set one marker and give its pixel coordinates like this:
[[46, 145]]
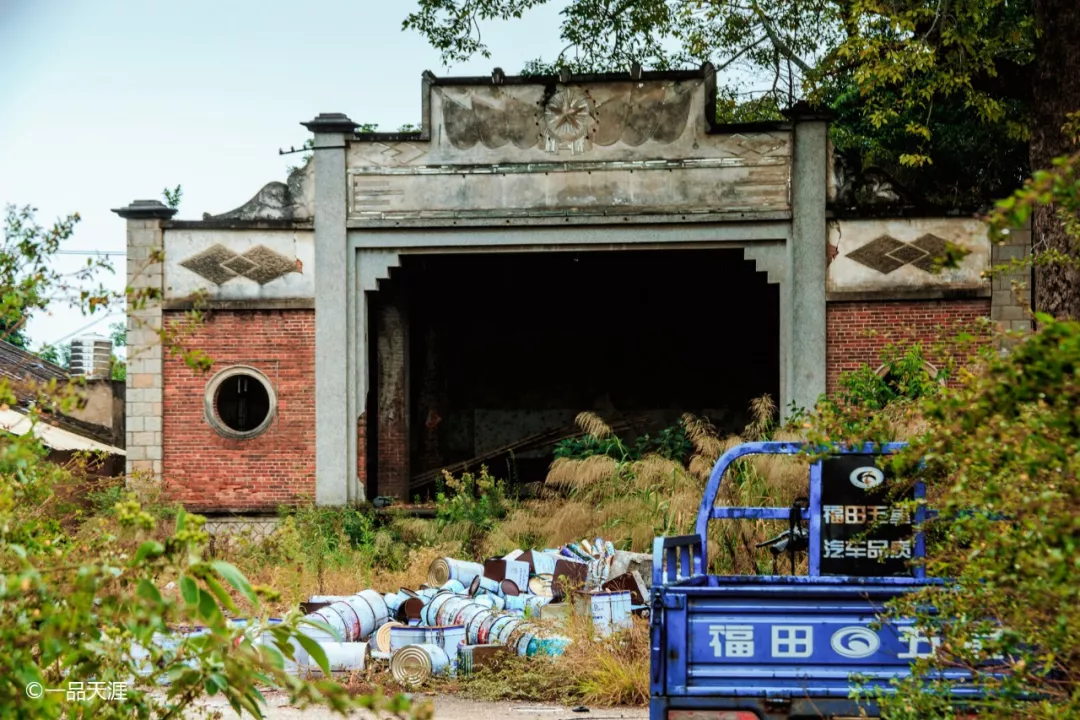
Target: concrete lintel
[[940, 293], [517, 238], [505, 218], [270, 304]]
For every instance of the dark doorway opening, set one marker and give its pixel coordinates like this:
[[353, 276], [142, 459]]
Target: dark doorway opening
[[503, 346]]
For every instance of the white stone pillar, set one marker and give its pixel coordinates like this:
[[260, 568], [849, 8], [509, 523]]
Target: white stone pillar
[[143, 394], [335, 421], [805, 330]]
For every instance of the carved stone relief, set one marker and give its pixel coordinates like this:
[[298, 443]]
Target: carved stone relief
[[219, 264], [886, 253], [569, 117]]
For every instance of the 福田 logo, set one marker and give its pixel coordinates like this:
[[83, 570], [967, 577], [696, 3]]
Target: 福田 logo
[[855, 642], [866, 478]]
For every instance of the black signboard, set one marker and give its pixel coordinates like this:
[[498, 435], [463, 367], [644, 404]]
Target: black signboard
[[864, 531]]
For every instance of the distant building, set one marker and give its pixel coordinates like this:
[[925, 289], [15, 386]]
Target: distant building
[[96, 426]]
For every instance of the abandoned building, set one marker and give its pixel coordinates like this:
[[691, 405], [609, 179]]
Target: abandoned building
[[542, 246]]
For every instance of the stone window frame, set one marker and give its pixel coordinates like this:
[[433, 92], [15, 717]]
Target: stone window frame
[[210, 405]]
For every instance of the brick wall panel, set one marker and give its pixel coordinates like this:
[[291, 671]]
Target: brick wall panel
[[857, 332], [206, 471]]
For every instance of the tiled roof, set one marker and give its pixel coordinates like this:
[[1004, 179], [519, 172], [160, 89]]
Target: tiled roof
[[26, 371]]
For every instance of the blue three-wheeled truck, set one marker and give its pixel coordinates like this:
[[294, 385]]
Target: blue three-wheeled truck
[[787, 646]]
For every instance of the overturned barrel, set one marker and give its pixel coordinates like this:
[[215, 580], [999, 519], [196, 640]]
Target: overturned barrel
[[443, 570]]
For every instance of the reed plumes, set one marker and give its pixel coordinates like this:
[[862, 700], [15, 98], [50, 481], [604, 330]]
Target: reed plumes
[[707, 445], [762, 418], [576, 475], [592, 424]]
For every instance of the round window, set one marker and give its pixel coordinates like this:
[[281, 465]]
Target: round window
[[240, 402]]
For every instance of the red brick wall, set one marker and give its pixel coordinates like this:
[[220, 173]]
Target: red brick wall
[[392, 367], [858, 331], [206, 471]]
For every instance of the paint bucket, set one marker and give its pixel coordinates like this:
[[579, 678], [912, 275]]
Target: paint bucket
[[609, 611], [484, 599], [472, 627], [448, 611], [429, 615], [509, 588], [394, 601], [550, 646], [454, 586], [533, 605], [525, 644], [382, 636], [327, 599], [450, 638], [543, 563], [403, 636], [332, 617], [416, 664], [621, 610], [343, 657], [515, 602], [371, 611], [483, 634], [501, 629], [540, 585], [444, 569], [467, 613], [412, 609], [485, 584]]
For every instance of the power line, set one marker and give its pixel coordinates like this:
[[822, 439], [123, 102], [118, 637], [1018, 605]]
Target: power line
[[85, 328], [90, 252]]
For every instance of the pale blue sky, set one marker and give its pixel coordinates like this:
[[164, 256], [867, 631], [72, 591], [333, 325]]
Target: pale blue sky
[[106, 101]]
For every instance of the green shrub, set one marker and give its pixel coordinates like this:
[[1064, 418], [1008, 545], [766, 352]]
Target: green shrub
[[471, 505]]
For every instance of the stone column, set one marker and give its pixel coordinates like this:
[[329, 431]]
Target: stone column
[[1006, 309], [805, 330], [143, 394], [335, 427]]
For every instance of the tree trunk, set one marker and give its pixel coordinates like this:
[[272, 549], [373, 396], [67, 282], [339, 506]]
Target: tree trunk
[[1056, 92]]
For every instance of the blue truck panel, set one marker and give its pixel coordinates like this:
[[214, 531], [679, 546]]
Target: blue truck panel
[[778, 646]]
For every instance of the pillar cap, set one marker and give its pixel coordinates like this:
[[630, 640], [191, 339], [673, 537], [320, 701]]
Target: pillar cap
[[145, 210], [803, 111], [331, 123]]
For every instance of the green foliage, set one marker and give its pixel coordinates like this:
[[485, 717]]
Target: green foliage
[[91, 608], [59, 355], [472, 502], [904, 376], [671, 443], [1002, 465], [172, 197]]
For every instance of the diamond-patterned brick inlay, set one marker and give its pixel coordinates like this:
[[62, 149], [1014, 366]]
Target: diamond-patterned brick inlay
[[219, 264], [886, 254]]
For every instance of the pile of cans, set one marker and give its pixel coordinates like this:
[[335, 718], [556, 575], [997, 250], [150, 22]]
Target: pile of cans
[[468, 612]]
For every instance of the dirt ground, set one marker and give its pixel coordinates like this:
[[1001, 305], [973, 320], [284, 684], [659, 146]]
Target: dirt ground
[[448, 707]]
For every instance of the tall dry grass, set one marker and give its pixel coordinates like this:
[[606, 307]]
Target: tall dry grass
[[599, 671]]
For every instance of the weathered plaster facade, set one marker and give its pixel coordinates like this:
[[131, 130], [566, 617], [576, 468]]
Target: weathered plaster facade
[[517, 166]]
